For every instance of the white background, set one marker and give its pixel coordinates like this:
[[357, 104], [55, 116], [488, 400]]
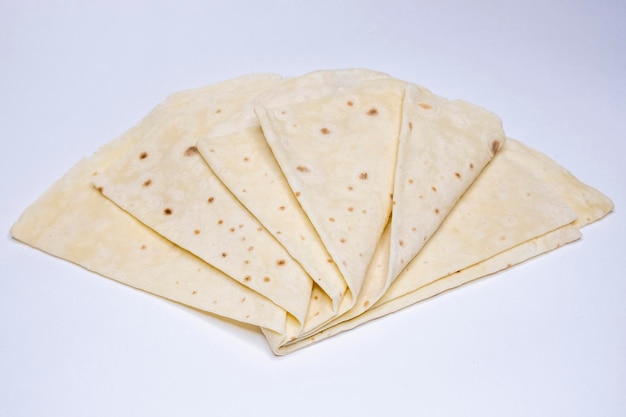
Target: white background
[[547, 338]]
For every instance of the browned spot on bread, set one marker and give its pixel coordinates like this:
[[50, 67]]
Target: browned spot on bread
[[246, 262], [411, 181], [316, 297], [433, 188], [281, 262], [436, 211], [194, 292], [414, 229], [100, 189], [191, 151], [410, 125], [250, 248], [247, 278], [350, 208], [147, 182], [350, 103], [167, 211], [210, 200], [246, 159], [243, 300], [302, 168], [495, 146], [350, 188], [330, 261], [94, 173], [372, 112], [342, 240], [456, 174], [259, 229], [143, 155], [502, 237], [401, 242], [266, 279], [471, 165], [281, 208], [425, 106], [325, 131], [363, 175], [232, 229], [298, 193], [366, 304], [220, 221], [224, 254], [241, 226], [331, 219], [143, 247], [197, 231]]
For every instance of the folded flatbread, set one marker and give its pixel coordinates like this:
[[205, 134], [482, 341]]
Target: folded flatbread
[[73, 221]]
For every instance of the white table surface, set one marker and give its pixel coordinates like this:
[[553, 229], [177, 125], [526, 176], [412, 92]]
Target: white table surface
[[547, 338]]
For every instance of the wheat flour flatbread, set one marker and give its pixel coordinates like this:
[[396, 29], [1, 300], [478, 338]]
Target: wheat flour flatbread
[[73, 221]]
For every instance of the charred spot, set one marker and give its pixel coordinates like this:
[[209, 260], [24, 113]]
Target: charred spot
[[210, 200], [342, 240], [100, 189], [302, 168], [281, 262], [143, 247], [191, 151], [220, 221], [224, 254], [330, 261], [167, 211], [495, 146], [350, 208], [143, 155], [363, 175], [456, 174], [350, 103], [194, 292], [471, 165], [281, 208], [147, 183], [196, 232], [266, 279], [325, 131], [232, 229], [433, 188], [401, 242], [372, 112], [247, 278], [436, 211], [298, 193]]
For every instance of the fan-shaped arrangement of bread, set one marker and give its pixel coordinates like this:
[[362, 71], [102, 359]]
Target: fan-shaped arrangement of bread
[[309, 205]]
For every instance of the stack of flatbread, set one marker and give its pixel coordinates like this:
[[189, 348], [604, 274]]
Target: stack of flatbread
[[309, 205]]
